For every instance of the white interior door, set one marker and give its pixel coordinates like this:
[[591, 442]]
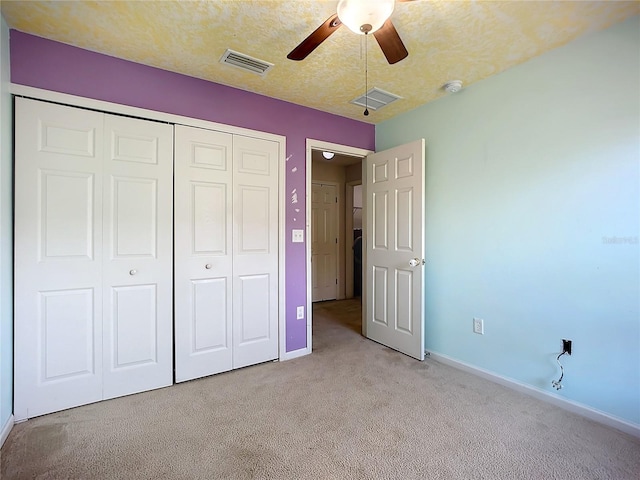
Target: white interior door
[[93, 257], [394, 271], [324, 243], [138, 253], [58, 258], [203, 260], [255, 250]]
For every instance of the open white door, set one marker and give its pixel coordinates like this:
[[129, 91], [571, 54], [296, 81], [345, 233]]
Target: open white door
[[393, 266]]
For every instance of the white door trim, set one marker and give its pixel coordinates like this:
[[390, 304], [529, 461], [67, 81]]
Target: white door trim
[[109, 107], [282, 309], [143, 113], [349, 273], [337, 148]]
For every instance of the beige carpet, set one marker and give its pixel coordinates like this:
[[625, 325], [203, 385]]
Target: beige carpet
[[354, 409]]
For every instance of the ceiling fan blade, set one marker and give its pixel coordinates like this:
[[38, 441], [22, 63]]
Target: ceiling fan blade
[[390, 43], [319, 35]]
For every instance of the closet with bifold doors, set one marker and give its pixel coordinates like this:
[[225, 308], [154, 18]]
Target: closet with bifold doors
[[145, 253], [226, 251], [93, 256]]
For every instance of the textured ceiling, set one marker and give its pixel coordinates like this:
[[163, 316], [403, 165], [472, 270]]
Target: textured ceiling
[[446, 40]]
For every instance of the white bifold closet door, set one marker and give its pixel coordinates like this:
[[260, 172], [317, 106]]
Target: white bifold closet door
[[226, 251], [93, 250], [137, 256]]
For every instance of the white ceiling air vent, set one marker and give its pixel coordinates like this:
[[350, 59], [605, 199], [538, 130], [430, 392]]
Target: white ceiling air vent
[[375, 99], [245, 62]]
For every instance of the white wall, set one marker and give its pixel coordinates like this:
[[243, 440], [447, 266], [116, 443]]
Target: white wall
[[533, 218], [6, 234]]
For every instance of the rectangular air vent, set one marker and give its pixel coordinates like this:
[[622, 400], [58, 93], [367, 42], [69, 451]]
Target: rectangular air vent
[[375, 99], [245, 62]]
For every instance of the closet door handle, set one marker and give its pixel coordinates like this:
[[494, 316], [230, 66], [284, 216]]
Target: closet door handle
[[208, 266], [132, 272]]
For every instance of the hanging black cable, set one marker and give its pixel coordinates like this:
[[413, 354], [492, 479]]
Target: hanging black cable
[[366, 73]]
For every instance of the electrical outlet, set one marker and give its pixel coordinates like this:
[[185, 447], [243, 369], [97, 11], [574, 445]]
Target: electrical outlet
[[300, 312], [566, 346], [478, 326]]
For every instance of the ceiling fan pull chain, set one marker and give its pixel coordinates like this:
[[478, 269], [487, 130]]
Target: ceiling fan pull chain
[[366, 73]]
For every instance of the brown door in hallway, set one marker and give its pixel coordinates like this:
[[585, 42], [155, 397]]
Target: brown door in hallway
[[324, 243]]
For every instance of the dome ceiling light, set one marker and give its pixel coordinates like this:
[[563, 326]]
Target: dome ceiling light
[[365, 16]]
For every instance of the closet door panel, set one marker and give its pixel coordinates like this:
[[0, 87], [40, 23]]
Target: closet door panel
[[255, 251], [253, 293], [135, 333], [67, 220], [138, 250], [134, 217], [203, 262], [209, 295], [209, 217], [58, 258]]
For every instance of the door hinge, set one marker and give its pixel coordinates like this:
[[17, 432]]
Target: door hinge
[[336, 240], [336, 281]]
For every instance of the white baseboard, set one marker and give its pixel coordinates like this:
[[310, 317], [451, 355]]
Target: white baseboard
[[295, 354], [4, 433], [574, 407]]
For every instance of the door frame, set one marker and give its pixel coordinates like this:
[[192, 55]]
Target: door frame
[[146, 114], [349, 272], [313, 144], [338, 236]]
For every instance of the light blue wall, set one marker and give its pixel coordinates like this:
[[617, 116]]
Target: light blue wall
[[6, 246], [530, 176]]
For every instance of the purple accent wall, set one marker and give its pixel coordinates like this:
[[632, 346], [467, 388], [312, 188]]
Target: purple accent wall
[[50, 65]]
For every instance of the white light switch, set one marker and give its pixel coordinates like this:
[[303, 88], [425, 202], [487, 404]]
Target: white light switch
[[297, 236], [300, 312]]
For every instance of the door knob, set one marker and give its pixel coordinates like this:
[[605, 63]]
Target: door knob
[[414, 262], [132, 272], [208, 266]]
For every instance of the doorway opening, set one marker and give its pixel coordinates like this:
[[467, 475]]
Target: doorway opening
[[334, 223]]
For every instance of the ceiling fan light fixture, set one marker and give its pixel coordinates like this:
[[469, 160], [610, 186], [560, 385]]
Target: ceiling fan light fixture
[[364, 16], [328, 155]]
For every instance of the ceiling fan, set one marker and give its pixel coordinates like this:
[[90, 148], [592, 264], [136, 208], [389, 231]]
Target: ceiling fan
[[362, 17]]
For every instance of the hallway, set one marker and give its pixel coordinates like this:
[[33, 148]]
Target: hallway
[[345, 313]]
